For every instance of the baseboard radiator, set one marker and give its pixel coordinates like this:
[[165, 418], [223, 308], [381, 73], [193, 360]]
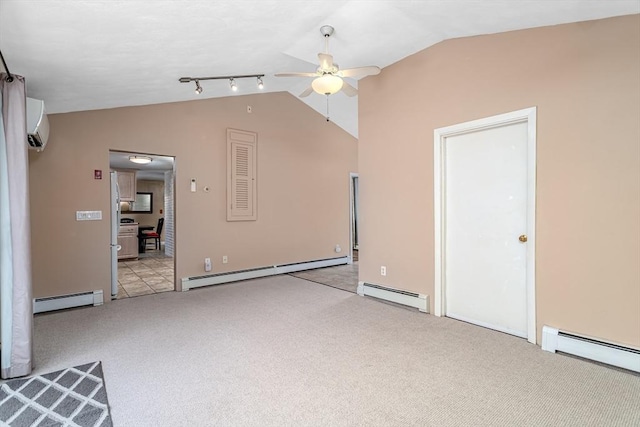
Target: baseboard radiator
[[253, 273], [419, 301], [612, 354], [41, 305]]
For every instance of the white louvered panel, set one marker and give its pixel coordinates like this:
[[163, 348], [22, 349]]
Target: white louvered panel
[[242, 194], [241, 162], [241, 185], [242, 176]]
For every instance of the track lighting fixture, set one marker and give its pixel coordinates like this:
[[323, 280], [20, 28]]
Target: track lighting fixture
[[232, 81]]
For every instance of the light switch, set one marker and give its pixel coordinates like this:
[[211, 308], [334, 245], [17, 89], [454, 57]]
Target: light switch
[[88, 215]]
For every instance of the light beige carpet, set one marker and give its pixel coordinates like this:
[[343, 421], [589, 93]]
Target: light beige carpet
[[281, 351]]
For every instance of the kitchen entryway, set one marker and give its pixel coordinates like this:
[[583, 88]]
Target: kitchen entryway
[[142, 224]]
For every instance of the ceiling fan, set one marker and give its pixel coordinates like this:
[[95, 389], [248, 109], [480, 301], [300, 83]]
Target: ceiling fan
[[329, 78]]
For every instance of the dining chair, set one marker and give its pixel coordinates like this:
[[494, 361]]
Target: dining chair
[[155, 235]]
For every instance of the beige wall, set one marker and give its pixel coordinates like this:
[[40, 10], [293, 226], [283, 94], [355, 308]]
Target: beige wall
[[303, 187], [585, 80]]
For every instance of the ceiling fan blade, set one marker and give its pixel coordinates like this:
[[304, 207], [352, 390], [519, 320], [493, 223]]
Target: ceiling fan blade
[[371, 70], [296, 74], [307, 92], [348, 89], [326, 61]]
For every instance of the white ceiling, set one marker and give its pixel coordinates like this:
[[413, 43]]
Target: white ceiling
[[94, 54], [153, 171]]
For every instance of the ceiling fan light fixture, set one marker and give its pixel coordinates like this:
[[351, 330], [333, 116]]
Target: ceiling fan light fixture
[[327, 84], [233, 85], [141, 160], [198, 87], [260, 83]]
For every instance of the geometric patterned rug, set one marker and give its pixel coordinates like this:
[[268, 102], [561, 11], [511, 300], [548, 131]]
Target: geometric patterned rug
[[71, 397]]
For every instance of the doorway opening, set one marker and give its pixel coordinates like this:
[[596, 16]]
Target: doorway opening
[[353, 214], [142, 224]]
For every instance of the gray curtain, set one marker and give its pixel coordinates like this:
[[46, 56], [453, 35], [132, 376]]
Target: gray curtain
[[16, 306]]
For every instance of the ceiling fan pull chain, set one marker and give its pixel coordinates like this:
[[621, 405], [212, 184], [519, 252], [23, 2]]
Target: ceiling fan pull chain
[[327, 107]]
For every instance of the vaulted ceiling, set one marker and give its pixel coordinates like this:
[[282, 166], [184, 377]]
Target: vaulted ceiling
[[93, 54]]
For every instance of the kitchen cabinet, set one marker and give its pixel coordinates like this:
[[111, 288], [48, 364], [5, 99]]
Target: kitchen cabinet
[[127, 185], [128, 240]]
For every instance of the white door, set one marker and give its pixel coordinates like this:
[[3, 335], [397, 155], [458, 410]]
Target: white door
[[485, 227]]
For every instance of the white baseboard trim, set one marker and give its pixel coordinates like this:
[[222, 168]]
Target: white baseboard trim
[[235, 276], [411, 299], [60, 302], [612, 354]]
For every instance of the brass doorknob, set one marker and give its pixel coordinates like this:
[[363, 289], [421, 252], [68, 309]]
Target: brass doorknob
[[523, 238]]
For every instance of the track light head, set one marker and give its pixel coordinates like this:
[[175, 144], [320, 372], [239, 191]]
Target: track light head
[[260, 83], [232, 83], [198, 87]]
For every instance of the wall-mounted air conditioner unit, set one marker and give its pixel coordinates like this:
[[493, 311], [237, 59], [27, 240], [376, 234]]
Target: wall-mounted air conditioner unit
[[37, 124]]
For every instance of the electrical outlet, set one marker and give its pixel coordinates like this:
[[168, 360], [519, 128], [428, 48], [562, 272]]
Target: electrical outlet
[[338, 249], [207, 264], [225, 259], [383, 270]]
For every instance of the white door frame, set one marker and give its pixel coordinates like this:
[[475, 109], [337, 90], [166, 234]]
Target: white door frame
[[440, 135], [175, 251], [351, 217]]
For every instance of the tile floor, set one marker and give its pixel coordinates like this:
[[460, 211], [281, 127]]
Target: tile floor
[[152, 273]]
